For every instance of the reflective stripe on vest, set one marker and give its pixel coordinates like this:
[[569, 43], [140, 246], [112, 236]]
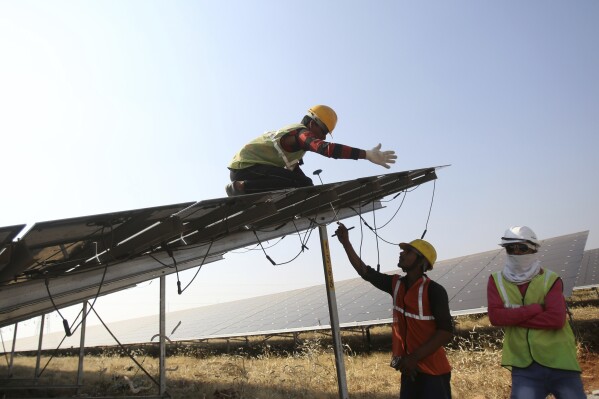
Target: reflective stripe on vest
[[521, 345], [420, 315], [503, 292], [413, 327], [266, 150], [277, 145]]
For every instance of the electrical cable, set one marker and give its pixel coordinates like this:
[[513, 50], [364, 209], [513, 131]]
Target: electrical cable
[[302, 242], [65, 323], [199, 268], [265, 254], [93, 303], [255, 247], [361, 227], [396, 211], [429, 210], [159, 261], [363, 221], [95, 298], [378, 253], [375, 230], [69, 330], [317, 172], [169, 251]]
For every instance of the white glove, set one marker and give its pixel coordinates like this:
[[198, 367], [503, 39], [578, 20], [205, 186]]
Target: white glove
[[379, 157]]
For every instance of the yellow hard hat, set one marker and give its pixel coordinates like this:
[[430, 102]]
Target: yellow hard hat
[[324, 115], [424, 248]]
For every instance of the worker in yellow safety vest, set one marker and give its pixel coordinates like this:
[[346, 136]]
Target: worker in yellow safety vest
[[272, 160], [527, 300]]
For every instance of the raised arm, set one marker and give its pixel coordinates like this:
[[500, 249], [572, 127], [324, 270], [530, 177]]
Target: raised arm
[[308, 141], [353, 257]]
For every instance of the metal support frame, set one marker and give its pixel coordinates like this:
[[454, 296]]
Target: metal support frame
[[333, 314], [190, 257], [81, 348], [39, 347], [12, 351], [162, 364]]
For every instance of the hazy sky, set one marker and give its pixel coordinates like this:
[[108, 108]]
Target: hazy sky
[[117, 105]]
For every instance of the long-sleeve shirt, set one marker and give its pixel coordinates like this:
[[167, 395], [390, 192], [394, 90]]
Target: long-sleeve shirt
[[308, 141], [550, 316]]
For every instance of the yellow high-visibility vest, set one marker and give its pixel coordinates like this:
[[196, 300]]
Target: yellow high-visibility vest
[[522, 346], [266, 150]]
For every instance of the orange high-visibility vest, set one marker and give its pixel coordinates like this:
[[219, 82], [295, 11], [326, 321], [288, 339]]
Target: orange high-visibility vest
[[414, 324]]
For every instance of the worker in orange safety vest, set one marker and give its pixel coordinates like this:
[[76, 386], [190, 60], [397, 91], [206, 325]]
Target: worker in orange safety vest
[[422, 324]]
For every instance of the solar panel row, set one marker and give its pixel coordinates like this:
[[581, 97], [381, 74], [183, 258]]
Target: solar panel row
[[79, 258], [359, 303]]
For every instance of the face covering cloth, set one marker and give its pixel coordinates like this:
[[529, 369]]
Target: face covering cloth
[[521, 269]]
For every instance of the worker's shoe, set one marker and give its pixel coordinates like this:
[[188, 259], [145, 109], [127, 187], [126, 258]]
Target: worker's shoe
[[231, 190]]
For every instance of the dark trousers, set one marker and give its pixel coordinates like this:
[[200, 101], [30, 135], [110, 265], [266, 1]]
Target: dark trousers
[[425, 386], [262, 178]]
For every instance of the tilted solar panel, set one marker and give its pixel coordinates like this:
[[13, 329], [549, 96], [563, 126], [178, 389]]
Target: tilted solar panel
[[65, 259], [589, 270]]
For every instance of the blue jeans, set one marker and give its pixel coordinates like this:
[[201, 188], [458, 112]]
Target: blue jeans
[[425, 386], [536, 382]]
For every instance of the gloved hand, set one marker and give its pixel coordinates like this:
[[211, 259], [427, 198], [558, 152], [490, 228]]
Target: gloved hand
[[379, 157]]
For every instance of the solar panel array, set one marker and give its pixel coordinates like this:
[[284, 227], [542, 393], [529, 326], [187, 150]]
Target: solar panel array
[[72, 260], [465, 279], [589, 270]]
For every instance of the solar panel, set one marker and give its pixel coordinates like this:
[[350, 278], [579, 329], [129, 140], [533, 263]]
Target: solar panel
[[7, 248], [116, 250], [57, 246], [589, 270], [8, 233], [359, 303]]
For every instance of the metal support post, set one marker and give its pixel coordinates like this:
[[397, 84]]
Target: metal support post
[[12, 352], [39, 347], [162, 365], [81, 347], [333, 314]]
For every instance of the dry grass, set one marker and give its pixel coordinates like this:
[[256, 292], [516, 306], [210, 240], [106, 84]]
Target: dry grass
[[276, 369]]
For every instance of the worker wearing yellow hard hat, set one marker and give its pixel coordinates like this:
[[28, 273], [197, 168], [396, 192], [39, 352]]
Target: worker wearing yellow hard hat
[[425, 249], [422, 323], [272, 160]]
